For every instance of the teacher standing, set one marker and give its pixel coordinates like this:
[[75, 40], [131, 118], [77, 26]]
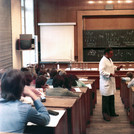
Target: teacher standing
[[107, 84]]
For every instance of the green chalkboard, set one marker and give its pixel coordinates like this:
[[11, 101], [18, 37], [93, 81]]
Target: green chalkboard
[[105, 38], [95, 41], [124, 54]]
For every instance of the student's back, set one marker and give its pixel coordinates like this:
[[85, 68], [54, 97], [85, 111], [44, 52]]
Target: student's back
[[58, 90], [14, 114]]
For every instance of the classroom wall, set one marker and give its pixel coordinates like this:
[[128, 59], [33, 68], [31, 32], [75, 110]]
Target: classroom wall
[[48, 11], [16, 31]]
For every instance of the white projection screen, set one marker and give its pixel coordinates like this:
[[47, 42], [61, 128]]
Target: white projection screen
[[57, 43]]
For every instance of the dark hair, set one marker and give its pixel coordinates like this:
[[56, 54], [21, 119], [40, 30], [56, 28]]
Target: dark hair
[[53, 72], [28, 77], [23, 69], [58, 81], [40, 81], [70, 80], [42, 72], [73, 79], [67, 81], [12, 84], [129, 74], [107, 50]]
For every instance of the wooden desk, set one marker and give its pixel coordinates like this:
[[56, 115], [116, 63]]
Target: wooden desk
[[92, 82], [90, 74], [131, 105], [72, 107], [124, 93], [88, 102], [94, 74], [58, 124]]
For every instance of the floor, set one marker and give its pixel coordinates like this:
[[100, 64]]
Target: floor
[[117, 125]]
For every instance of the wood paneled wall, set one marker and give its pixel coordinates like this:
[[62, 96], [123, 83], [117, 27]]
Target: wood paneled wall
[[108, 22], [49, 11]]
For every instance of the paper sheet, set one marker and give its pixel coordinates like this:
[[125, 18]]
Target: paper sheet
[[54, 120], [89, 86], [77, 89]]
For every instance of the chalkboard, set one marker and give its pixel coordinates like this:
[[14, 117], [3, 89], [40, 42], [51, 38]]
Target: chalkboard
[[124, 54], [95, 41], [108, 38]]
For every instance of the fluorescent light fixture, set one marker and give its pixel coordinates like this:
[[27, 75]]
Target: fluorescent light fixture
[[90, 2], [129, 1], [110, 1], [119, 1]]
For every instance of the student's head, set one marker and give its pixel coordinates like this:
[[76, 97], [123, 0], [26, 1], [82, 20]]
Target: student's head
[[130, 75], [12, 84], [53, 72], [70, 80], [62, 72], [67, 81], [40, 81], [73, 79], [28, 77], [58, 81], [108, 52]]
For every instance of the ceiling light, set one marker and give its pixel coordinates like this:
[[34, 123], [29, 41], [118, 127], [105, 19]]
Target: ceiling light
[[90, 2], [119, 1], [110, 1], [129, 1]]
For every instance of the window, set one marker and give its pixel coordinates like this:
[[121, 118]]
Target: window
[[27, 11]]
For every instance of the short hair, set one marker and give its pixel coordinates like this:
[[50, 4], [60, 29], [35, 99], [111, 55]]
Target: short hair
[[73, 78], [107, 50], [12, 84], [53, 73], [40, 81], [58, 81], [28, 77], [67, 81], [130, 75]]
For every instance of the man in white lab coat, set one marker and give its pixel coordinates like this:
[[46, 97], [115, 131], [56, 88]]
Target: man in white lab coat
[[107, 84]]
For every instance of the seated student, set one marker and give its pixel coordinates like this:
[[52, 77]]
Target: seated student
[[131, 83], [14, 115], [37, 68], [28, 78], [41, 82], [68, 83], [42, 71], [53, 72], [58, 90], [130, 75], [76, 82]]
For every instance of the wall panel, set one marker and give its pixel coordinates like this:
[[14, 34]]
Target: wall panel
[[5, 35]]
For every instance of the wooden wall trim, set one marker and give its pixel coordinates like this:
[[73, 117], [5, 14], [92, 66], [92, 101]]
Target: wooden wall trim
[[81, 14], [57, 24]]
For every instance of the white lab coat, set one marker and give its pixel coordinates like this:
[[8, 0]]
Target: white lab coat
[[107, 83]]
